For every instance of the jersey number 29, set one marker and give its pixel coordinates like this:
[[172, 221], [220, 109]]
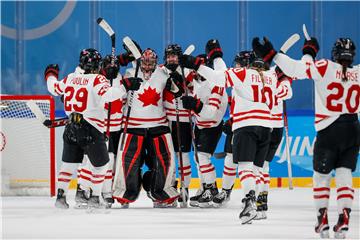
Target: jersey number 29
[[75, 100]]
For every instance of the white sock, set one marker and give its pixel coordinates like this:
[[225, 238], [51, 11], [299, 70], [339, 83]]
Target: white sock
[[207, 169], [109, 175], [321, 189], [345, 192], [266, 176], [98, 177], [247, 176], [186, 168], [65, 175], [229, 173]]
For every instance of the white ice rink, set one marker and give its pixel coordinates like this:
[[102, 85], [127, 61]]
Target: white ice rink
[[291, 216]]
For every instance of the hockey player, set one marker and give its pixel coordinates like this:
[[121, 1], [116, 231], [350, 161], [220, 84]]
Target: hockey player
[[209, 102], [116, 114], [147, 132], [337, 94], [253, 92], [172, 105], [84, 98], [284, 92], [242, 59]]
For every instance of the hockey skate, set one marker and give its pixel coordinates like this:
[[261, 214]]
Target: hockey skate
[[194, 200], [210, 191], [61, 200], [322, 225], [183, 204], [81, 200], [108, 199], [261, 207], [342, 226], [95, 206], [222, 198], [172, 204], [249, 211]]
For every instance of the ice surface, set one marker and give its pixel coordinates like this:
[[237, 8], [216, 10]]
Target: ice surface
[[291, 215]]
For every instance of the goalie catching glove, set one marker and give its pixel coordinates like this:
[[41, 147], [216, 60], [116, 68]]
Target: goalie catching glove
[[51, 69], [192, 103], [175, 84]]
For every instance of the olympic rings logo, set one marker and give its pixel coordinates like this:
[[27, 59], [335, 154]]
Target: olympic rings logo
[[43, 30]]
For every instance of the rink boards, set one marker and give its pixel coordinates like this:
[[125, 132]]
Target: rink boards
[[302, 137]]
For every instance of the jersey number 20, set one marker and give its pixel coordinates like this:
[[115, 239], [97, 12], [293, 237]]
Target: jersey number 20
[[332, 101]]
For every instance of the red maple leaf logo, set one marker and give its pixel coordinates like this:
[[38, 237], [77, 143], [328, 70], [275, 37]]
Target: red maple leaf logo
[[168, 96], [116, 106], [149, 97]]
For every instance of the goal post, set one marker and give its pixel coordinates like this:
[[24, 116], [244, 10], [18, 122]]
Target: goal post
[[27, 147]]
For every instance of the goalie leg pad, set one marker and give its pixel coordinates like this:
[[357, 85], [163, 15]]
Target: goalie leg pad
[[162, 187], [127, 181]]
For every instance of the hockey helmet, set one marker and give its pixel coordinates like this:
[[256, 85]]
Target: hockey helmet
[[244, 59], [343, 51], [89, 60]]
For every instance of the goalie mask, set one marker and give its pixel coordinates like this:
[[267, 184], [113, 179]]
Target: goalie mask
[[243, 59], [343, 51], [90, 60], [148, 62], [171, 56]]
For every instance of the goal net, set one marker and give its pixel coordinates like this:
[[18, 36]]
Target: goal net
[[27, 147]]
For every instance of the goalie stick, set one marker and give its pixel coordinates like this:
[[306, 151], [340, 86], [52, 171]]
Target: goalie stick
[[137, 55], [106, 27], [188, 51]]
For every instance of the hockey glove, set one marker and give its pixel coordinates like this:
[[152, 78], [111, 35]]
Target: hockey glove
[[192, 103], [132, 83], [279, 73], [110, 71], [213, 49], [265, 50], [188, 61], [227, 127], [125, 59], [175, 84], [311, 47], [51, 69]]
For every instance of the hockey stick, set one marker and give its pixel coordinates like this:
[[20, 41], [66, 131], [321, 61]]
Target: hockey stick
[[306, 34], [284, 48], [289, 42], [188, 51], [60, 122], [136, 53], [104, 25]]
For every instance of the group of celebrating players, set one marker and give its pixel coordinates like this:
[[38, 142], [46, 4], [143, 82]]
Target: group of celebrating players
[[159, 113]]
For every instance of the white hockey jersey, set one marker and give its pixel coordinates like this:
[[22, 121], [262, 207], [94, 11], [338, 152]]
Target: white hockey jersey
[[170, 101], [147, 109], [283, 92], [116, 113], [86, 94], [333, 96]]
